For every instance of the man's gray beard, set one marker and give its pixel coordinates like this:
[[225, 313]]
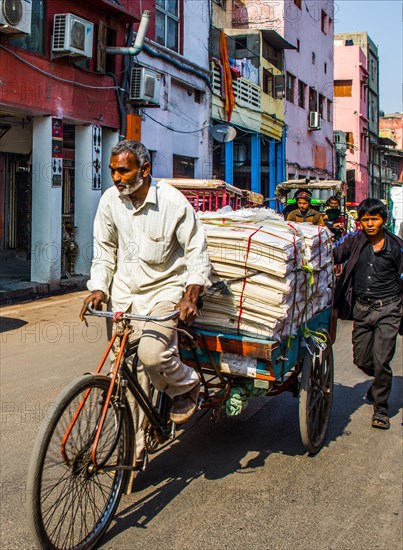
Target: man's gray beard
[[129, 189]]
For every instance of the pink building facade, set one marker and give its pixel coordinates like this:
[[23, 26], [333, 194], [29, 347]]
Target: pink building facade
[[351, 115], [308, 72]]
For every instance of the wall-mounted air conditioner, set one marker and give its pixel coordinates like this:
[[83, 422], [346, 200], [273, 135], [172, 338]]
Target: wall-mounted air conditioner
[[72, 35], [15, 16], [315, 121], [145, 86]]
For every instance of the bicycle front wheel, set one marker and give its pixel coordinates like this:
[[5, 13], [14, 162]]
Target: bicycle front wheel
[[70, 502]]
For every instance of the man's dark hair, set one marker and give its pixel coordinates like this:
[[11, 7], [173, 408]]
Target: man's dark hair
[[332, 198], [372, 207], [137, 149]]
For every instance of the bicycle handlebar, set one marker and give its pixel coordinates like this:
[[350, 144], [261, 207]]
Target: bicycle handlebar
[[132, 317]]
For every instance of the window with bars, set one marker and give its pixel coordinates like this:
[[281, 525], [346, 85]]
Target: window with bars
[[35, 41], [183, 167], [167, 19], [321, 105], [275, 57], [290, 86], [301, 94], [313, 99], [268, 81], [329, 110]]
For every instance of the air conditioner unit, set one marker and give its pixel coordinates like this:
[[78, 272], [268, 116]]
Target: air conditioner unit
[[15, 16], [315, 121], [72, 35], [145, 86]]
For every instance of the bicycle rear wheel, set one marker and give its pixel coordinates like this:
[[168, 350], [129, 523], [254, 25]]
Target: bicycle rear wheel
[[70, 503]]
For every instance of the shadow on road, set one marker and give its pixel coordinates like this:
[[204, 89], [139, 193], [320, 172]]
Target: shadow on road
[[214, 451], [348, 399], [9, 323]]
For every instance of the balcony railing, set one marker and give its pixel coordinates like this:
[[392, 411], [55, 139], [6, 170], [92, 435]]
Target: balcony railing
[[246, 93], [386, 173]]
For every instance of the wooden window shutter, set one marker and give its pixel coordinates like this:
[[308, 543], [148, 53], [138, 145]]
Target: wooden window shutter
[[101, 47]]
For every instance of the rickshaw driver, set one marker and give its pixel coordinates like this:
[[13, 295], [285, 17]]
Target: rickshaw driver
[[304, 213], [150, 258]]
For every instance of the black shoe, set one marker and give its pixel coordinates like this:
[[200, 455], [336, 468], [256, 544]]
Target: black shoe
[[185, 405]]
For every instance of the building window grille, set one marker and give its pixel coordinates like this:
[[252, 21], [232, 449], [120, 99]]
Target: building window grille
[[167, 23], [268, 82], [34, 42], [275, 57], [321, 105], [183, 167], [329, 110], [290, 85], [313, 99], [301, 94]]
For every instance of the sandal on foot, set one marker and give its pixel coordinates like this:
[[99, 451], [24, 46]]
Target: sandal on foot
[[380, 420]]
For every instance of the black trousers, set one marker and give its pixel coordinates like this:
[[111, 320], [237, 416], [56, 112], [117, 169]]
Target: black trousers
[[374, 344]]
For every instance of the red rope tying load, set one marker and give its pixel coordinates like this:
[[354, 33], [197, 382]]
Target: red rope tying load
[[117, 316], [244, 281]]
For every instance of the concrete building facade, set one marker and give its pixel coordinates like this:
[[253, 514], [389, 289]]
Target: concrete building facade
[[308, 79], [370, 50], [255, 158], [350, 115], [64, 104]]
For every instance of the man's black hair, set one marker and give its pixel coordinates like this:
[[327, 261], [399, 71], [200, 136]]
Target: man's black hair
[[137, 149], [372, 207], [332, 198]]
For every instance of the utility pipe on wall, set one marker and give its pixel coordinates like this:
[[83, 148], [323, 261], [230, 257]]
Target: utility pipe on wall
[[138, 44]]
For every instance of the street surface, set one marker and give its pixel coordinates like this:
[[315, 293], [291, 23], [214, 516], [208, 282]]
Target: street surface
[[243, 483]]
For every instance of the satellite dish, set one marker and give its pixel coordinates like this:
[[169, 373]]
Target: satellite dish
[[223, 133]]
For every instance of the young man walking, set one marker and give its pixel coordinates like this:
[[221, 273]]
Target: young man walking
[[370, 292]]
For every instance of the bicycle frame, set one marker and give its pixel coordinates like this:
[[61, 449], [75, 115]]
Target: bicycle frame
[[121, 377]]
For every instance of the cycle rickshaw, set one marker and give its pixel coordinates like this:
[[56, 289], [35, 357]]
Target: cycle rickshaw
[[82, 461]]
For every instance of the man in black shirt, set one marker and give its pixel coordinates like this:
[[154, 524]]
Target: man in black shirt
[[370, 293]]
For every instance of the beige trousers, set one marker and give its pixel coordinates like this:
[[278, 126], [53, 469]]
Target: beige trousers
[[158, 362]]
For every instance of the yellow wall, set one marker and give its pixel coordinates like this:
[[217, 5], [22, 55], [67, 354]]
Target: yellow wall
[[272, 127]]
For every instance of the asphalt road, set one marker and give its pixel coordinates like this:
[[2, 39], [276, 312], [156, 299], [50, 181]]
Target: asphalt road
[[242, 483]]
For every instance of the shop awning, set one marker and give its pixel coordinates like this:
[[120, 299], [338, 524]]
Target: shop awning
[[276, 40]]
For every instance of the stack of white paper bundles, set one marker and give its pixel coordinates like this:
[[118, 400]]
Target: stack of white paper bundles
[[260, 287]]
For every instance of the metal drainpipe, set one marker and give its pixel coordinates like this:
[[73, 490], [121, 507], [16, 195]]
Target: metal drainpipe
[[129, 50], [138, 44]]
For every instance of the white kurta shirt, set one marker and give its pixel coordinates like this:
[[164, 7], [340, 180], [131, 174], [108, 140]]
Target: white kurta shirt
[[147, 254]]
